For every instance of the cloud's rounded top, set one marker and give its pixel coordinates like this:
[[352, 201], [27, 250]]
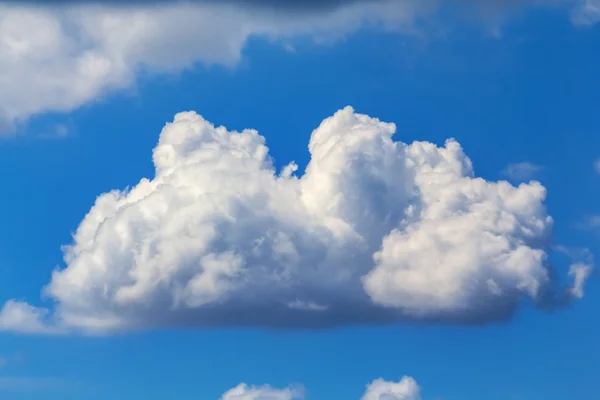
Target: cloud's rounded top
[[380, 389], [374, 230], [405, 389]]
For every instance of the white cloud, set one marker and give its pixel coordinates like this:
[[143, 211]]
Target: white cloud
[[580, 273], [520, 172], [405, 389], [55, 59], [245, 392], [593, 221], [16, 316], [387, 230], [590, 222], [586, 13], [379, 389], [597, 166]]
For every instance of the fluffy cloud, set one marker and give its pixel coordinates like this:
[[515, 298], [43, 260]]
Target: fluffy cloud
[[245, 392], [379, 389], [54, 59], [405, 389], [58, 58], [374, 230], [22, 317]]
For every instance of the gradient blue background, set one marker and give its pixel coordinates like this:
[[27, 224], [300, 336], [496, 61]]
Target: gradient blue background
[[531, 95]]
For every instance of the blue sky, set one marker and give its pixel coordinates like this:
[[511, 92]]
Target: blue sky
[[521, 91]]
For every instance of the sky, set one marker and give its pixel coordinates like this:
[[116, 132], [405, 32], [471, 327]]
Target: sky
[[259, 200]]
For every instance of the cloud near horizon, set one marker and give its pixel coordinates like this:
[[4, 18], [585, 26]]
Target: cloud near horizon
[[266, 392], [56, 59], [405, 389], [374, 231]]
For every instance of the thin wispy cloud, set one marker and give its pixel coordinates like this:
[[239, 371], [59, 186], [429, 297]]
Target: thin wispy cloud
[[31, 384], [597, 166], [522, 171]]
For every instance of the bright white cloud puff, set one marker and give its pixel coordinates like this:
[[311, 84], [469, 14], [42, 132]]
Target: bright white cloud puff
[[374, 230], [405, 389], [55, 59], [245, 392], [379, 389]]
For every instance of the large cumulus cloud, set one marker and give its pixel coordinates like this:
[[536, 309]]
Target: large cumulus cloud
[[54, 59], [374, 230]]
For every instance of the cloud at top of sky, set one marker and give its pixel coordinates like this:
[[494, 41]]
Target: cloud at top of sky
[[373, 231], [58, 58], [306, 5], [380, 389], [55, 59], [295, 5]]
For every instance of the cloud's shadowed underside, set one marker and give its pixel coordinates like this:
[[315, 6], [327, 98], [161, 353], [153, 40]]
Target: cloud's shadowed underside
[[374, 231]]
